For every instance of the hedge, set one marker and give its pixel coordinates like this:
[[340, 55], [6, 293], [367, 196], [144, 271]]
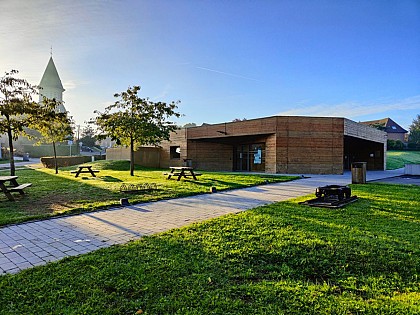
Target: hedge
[[63, 161]]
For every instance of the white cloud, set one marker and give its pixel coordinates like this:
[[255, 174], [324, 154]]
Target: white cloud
[[353, 109], [162, 94]]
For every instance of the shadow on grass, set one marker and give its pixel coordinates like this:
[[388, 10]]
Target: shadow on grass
[[51, 195], [110, 179], [270, 260]]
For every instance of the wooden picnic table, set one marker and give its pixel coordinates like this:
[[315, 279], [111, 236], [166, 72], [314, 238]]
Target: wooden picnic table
[[12, 187], [85, 169], [182, 171]]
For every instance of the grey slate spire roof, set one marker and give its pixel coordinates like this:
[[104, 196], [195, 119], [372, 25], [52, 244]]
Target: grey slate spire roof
[[51, 86], [51, 78]]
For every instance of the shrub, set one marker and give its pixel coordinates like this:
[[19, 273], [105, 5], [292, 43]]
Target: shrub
[[63, 161], [395, 145]]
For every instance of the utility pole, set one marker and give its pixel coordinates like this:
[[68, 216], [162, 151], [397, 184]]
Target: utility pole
[[78, 133]]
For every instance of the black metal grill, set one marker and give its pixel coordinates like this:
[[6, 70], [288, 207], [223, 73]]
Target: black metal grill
[[333, 192], [331, 196]]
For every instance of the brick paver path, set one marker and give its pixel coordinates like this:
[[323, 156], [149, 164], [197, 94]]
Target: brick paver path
[[36, 243]]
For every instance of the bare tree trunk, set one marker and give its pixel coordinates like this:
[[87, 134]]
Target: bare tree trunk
[[132, 157], [12, 157], [55, 158]]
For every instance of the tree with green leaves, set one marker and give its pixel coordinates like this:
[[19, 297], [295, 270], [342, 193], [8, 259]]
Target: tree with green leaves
[[414, 135], [88, 136], [53, 126], [16, 109], [133, 121]]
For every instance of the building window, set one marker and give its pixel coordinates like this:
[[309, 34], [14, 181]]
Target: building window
[[175, 152]]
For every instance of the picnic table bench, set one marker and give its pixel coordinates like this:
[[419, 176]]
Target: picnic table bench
[[85, 169], [181, 171], [12, 187]]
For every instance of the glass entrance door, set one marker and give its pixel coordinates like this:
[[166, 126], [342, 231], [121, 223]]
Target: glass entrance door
[[250, 157], [242, 158]]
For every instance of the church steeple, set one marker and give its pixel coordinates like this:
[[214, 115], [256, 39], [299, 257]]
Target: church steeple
[[51, 85]]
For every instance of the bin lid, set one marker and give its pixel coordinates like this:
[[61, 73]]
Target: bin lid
[[358, 163]]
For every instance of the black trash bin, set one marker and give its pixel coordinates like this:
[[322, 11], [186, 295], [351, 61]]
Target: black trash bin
[[26, 157], [187, 162], [358, 173]]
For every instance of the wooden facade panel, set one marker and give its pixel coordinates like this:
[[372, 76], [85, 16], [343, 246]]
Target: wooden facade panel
[[308, 160], [298, 168], [210, 156], [312, 169], [338, 142], [282, 168], [282, 142], [314, 143], [240, 128], [309, 154], [178, 138], [312, 124], [313, 134], [255, 126], [270, 154], [144, 156]]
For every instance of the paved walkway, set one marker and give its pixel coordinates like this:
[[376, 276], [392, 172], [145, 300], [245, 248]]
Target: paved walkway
[[31, 244], [20, 163]]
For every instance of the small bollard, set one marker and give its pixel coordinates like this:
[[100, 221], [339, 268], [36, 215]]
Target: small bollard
[[124, 202], [213, 189]]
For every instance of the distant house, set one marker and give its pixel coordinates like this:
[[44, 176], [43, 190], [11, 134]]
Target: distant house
[[393, 130]]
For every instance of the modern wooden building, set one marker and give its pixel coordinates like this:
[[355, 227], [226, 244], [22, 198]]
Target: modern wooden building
[[279, 144]]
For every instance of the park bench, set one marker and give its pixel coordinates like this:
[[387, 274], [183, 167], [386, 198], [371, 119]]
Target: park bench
[[19, 188], [85, 169], [13, 187], [181, 171]]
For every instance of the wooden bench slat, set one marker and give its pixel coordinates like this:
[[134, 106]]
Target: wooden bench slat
[[20, 187], [192, 175]]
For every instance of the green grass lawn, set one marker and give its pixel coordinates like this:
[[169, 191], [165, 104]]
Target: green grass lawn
[[53, 194], [283, 258], [397, 159]]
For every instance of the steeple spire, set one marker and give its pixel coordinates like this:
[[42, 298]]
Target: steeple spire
[[51, 85]]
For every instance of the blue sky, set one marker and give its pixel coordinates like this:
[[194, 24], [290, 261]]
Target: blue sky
[[224, 59]]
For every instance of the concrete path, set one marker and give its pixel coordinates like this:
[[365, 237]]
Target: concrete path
[[31, 244], [19, 163]]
